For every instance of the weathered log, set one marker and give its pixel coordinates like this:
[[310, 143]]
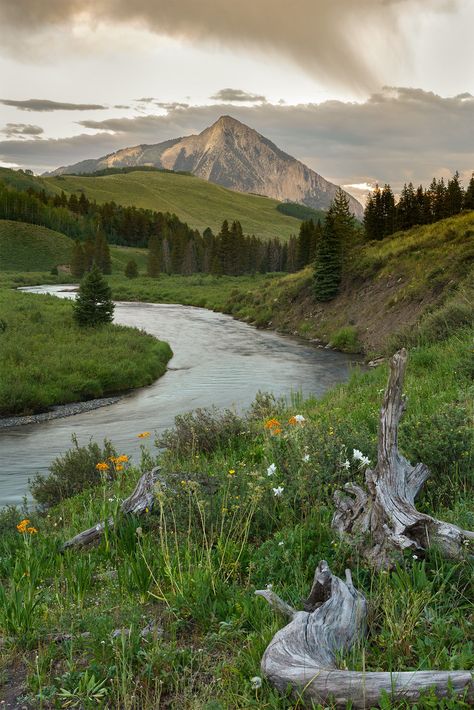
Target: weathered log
[[303, 655], [383, 519], [139, 502]]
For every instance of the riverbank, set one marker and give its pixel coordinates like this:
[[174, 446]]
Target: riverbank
[[47, 360], [58, 412], [163, 614]]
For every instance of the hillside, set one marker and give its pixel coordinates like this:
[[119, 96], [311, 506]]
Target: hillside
[[197, 202], [27, 247], [233, 155], [423, 278]]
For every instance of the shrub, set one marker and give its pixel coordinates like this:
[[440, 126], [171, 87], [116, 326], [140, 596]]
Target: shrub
[[346, 339], [203, 430], [131, 269], [72, 473]]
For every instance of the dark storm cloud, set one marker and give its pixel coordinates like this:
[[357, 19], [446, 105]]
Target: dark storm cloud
[[398, 134], [46, 105], [237, 95], [21, 129], [333, 39]]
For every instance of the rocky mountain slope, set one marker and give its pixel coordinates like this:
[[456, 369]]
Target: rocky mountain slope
[[231, 154]]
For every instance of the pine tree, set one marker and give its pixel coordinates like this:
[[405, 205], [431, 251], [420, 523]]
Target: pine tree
[[93, 305], [469, 195], [153, 266], [78, 260], [388, 212], [454, 196], [131, 269], [328, 265], [102, 253]]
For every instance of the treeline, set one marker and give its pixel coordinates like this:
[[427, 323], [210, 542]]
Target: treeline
[[416, 206]]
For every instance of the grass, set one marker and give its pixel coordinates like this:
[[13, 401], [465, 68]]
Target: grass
[[217, 533], [27, 247], [38, 370], [199, 203]]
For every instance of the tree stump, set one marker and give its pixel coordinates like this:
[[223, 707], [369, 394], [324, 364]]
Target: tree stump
[[303, 655], [383, 519]]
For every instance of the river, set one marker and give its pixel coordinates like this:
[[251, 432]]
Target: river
[[217, 361]]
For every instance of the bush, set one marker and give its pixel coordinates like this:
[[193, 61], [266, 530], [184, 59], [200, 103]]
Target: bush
[[72, 473], [346, 339], [203, 430], [131, 269]]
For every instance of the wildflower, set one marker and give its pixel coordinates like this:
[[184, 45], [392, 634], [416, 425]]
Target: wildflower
[[281, 543], [119, 467], [21, 527], [113, 459], [271, 469], [269, 587], [122, 459], [346, 464], [296, 419], [272, 424], [415, 557], [278, 491], [102, 466], [144, 435], [31, 530], [306, 458], [256, 682], [231, 471], [359, 456]]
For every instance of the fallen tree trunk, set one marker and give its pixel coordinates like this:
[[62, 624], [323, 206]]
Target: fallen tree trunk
[[139, 502], [303, 655], [383, 518]]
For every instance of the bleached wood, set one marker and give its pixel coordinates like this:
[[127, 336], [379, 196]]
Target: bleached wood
[[303, 655], [383, 519], [140, 501]]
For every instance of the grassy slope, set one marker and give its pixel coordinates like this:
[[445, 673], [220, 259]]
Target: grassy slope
[[199, 588], [197, 202], [27, 247], [388, 288], [38, 371]]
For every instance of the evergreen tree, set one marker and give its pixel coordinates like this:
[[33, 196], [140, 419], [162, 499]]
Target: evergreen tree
[[78, 260], [388, 212], [469, 196], [328, 265], [153, 266], [93, 305], [131, 269], [454, 196], [102, 253]]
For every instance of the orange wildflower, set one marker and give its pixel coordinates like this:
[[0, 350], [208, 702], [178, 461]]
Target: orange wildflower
[[119, 467], [102, 466], [122, 459], [272, 424], [144, 435]]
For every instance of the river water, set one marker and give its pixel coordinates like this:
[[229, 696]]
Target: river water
[[217, 361]]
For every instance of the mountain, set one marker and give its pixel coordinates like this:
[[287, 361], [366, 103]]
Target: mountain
[[230, 154]]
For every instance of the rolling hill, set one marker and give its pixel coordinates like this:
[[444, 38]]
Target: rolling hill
[[27, 247], [233, 155], [197, 202]]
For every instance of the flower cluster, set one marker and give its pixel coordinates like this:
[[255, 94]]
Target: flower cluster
[[273, 426], [296, 419], [359, 456], [143, 435], [102, 466], [25, 527]]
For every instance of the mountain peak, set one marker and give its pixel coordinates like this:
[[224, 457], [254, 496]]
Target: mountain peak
[[231, 154]]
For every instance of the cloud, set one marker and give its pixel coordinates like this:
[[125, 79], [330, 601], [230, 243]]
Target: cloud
[[124, 106], [21, 129], [397, 135], [346, 42], [237, 95], [46, 105]]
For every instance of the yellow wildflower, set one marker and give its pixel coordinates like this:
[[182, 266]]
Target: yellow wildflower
[[122, 459], [119, 467], [102, 466], [231, 471], [31, 530], [144, 435]]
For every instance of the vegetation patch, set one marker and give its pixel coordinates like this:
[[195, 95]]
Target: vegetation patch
[[45, 359], [163, 613], [28, 247]]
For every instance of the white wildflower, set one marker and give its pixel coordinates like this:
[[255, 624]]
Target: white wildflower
[[415, 557], [365, 461], [346, 464], [271, 469], [306, 458], [357, 455], [278, 491], [256, 682], [269, 587], [281, 543], [299, 418]]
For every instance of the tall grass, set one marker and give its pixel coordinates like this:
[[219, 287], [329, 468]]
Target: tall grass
[[163, 614]]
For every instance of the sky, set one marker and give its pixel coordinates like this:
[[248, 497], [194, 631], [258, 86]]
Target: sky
[[362, 91]]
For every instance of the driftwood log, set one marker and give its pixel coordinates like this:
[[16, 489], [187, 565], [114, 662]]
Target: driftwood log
[[303, 655], [383, 519], [139, 502]]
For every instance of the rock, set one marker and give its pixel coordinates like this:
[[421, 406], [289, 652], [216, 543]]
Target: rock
[[376, 362]]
